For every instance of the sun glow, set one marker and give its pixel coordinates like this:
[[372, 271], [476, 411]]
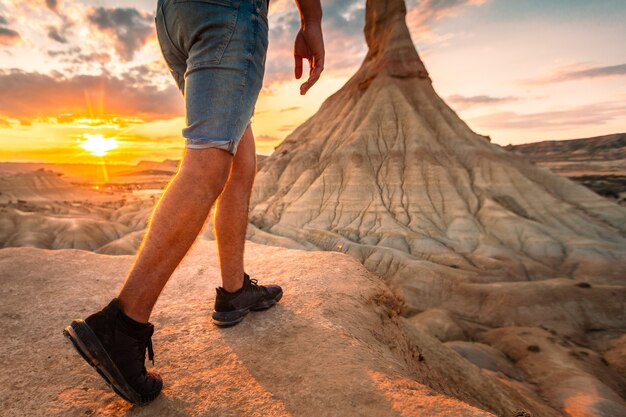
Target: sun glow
[[98, 144]]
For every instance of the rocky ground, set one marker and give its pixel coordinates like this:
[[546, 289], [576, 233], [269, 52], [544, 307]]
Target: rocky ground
[[334, 346]]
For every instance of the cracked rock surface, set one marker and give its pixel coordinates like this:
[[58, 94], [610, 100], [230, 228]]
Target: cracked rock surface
[[387, 172]]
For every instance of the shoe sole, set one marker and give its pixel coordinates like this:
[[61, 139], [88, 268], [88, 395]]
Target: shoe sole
[[230, 318], [91, 350]]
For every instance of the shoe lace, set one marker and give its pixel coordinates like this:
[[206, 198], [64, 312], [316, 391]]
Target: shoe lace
[[150, 351], [141, 351], [254, 283]]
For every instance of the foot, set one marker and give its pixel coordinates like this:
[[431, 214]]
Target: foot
[[231, 308], [116, 346]]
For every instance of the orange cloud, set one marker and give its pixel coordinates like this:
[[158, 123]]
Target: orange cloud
[[8, 36], [422, 14], [91, 96]]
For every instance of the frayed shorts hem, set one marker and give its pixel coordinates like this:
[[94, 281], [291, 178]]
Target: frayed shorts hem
[[230, 147]]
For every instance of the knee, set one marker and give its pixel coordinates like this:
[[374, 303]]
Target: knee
[[208, 184], [243, 173], [208, 171]]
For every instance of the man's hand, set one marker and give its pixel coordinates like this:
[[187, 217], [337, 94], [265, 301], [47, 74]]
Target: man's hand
[[309, 45]]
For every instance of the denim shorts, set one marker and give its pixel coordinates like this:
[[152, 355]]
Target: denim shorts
[[215, 50]]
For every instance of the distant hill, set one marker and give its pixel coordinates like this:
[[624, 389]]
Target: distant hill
[[75, 173], [95, 173], [598, 163], [599, 148], [41, 185]]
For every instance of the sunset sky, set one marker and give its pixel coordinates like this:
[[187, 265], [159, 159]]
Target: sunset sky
[[75, 73]]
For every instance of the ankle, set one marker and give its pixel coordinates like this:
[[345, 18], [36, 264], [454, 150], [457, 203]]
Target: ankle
[[232, 288], [132, 313], [233, 285], [131, 323]]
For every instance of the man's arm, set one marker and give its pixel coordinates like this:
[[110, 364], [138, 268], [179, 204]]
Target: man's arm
[[309, 42]]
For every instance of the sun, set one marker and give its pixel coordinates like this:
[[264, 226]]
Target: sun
[[98, 144]]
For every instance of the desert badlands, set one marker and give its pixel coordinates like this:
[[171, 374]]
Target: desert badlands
[[427, 272]]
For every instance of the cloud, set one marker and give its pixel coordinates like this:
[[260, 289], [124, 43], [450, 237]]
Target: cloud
[[53, 5], [287, 128], [50, 4], [464, 102], [104, 95], [421, 14], [585, 115], [71, 51], [59, 33], [54, 34], [76, 56], [93, 57], [8, 36], [128, 28], [33, 14], [267, 138], [580, 74]]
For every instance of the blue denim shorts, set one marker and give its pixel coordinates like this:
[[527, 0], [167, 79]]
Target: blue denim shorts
[[215, 50]]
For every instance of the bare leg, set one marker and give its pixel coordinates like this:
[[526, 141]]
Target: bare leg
[[231, 213], [173, 227]]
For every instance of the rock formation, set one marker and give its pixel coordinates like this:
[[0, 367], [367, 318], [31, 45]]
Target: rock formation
[[387, 172], [41, 209], [40, 185]]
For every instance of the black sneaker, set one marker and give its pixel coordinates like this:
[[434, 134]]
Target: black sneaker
[[117, 350], [231, 308]]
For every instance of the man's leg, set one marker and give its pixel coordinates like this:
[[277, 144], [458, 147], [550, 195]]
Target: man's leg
[[173, 227], [239, 293], [115, 339], [231, 213]]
